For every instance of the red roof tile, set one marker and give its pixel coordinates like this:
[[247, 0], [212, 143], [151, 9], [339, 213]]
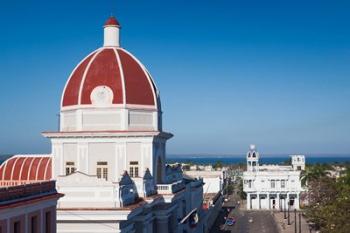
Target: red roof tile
[[21, 169]]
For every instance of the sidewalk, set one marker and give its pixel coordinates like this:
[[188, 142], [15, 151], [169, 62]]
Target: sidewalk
[[283, 226]]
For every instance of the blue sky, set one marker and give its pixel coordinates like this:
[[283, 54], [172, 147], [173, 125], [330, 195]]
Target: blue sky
[[230, 73]]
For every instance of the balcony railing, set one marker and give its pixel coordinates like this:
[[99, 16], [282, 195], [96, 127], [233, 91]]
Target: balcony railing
[[170, 188], [269, 189]]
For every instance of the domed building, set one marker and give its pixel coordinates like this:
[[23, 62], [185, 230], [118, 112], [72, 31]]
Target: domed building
[[110, 114], [108, 157]]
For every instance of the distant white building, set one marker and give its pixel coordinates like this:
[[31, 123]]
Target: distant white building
[[212, 190], [272, 186], [213, 180]]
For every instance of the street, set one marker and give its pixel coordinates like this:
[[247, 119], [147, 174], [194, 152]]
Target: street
[[246, 221]]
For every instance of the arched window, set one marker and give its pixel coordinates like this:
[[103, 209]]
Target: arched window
[[254, 155]]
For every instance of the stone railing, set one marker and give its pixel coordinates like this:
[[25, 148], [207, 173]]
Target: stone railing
[[268, 189], [145, 188], [279, 189], [170, 188], [23, 191]]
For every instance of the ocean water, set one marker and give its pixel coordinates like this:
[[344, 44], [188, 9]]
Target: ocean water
[[263, 160], [241, 159]]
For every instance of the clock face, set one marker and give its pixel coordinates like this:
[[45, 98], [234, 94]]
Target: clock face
[[101, 96]]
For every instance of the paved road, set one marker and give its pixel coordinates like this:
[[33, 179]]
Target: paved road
[[247, 221]]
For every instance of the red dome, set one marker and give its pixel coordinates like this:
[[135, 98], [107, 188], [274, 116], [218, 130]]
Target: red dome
[[22, 169], [115, 68]]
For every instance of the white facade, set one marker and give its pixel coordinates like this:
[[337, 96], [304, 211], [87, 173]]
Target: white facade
[[272, 186], [28, 208], [213, 180], [109, 161]]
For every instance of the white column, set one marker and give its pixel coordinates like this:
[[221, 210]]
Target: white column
[[297, 202], [83, 159], [124, 113], [155, 120], [58, 159], [249, 201], [79, 120]]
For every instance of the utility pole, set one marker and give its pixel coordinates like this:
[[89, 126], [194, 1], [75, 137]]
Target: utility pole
[[295, 221], [299, 222]]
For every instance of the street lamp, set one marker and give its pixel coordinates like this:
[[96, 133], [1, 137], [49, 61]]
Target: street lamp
[[299, 222], [288, 215], [295, 221]]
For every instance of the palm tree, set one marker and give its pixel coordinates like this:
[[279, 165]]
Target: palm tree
[[313, 172]]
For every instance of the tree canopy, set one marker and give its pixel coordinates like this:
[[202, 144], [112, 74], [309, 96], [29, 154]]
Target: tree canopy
[[329, 200]]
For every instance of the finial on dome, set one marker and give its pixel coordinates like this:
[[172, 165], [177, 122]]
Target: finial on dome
[[111, 32], [252, 147]]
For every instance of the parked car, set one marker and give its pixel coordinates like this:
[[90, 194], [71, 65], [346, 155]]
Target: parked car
[[230, 221]]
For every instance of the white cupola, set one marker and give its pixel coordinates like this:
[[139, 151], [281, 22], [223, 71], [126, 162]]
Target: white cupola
[[252, 159], [111, 33]]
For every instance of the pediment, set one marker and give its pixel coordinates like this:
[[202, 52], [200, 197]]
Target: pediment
[[80, 179]]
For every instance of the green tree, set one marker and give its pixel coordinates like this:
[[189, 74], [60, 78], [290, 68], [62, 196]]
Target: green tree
[[329, 203], [229, 189], [217, 164], [313, 172], [241, 193], [287, 162]]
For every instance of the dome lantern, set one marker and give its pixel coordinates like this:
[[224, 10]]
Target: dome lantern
[[111, 32]]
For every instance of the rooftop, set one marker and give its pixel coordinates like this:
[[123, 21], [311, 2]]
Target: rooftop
[[27, 193]]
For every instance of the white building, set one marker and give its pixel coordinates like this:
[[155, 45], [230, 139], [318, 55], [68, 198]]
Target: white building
[[28, 208], [108, 156], [272, 186], [212, 190], [213, 180]]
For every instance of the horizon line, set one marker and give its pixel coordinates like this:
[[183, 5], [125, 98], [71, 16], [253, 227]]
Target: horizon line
[[264, 155]]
